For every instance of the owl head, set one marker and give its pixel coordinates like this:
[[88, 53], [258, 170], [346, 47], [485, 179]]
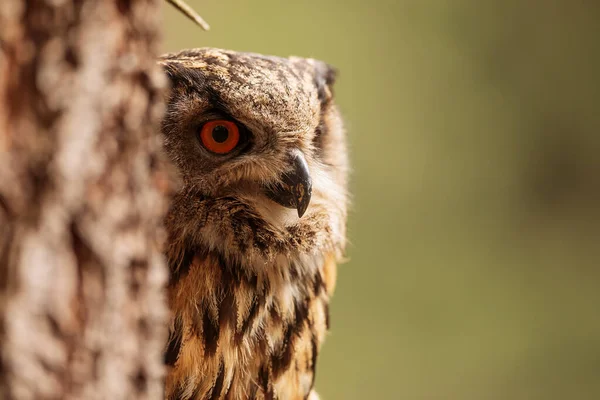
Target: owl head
[[260, 149]]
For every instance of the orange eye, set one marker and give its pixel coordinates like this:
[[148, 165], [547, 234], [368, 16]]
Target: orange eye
[[220, 136]]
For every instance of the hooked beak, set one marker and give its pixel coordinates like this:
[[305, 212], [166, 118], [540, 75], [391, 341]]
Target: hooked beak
[[296, 186]]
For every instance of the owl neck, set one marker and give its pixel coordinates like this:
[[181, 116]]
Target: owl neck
[[240, 240], [279, 280]]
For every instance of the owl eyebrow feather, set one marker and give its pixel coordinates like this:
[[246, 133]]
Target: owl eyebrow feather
[[215, 99], [194, 80], [218, 113]]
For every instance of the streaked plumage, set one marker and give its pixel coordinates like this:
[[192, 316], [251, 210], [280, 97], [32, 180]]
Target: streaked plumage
[[250, 279]]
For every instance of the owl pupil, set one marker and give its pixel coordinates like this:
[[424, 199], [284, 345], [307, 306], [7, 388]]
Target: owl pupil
[[220, 134]]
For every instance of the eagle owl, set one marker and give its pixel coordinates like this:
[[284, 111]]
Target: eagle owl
[[257, 226]]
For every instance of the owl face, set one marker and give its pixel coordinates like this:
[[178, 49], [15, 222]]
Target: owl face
[[260, 130]]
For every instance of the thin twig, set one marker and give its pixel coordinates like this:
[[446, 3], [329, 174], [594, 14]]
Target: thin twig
[[190, 13]]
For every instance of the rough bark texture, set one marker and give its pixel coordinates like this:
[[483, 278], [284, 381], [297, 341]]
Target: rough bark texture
[[81, 180]]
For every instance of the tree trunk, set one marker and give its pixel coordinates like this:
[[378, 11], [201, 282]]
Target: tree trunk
[[82, 314]]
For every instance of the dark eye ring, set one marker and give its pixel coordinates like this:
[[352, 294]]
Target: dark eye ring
[[220, 136]]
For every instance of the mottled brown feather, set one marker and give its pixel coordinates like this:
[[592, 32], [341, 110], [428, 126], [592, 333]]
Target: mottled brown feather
[[250, 282]]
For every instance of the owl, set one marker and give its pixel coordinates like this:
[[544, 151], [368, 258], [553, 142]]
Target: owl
[[257, 226]]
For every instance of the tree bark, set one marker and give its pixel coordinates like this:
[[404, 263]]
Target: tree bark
[[82, 183]]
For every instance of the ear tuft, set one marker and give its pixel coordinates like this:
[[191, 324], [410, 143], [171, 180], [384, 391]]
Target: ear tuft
[[325, 76], [327, 72]]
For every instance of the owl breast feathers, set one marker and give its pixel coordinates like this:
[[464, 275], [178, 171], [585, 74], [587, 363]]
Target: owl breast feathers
[[257, 226]]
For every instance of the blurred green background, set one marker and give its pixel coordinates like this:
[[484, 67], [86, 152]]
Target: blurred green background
[[474, 129]]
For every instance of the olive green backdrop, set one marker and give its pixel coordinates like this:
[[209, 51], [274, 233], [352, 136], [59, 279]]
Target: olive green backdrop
[[475, 229]]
